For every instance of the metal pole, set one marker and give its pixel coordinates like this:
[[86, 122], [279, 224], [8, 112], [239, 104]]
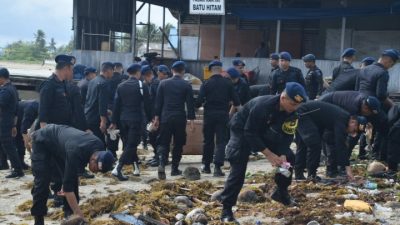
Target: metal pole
[[198, 40], [162, 39], [179, 36], [75, 24], [278, 31], [148, 30], [343, 34], [133, 34], [222, 49]]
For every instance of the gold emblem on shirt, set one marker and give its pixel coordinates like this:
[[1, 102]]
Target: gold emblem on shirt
[[289, 127]]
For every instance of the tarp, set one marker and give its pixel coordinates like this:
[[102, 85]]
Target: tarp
[[245, 12]]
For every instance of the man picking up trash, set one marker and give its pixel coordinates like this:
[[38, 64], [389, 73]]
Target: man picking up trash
[[70, 150], [266, 124]]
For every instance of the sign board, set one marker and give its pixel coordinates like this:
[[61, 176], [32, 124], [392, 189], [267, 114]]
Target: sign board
[[207, 7]]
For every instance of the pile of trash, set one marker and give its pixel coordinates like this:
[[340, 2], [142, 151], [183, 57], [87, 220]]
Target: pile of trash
[[365, 201]]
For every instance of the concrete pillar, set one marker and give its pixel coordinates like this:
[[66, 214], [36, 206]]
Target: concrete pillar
[[75, 23]]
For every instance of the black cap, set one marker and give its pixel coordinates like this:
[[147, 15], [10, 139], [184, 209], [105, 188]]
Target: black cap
[[309, 58], [106, 160], [134, 68], [90, 70], [67, 59], [214, 63], [118, 64]]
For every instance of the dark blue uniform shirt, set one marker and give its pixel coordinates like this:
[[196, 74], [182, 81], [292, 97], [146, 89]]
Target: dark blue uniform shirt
[[54, 106], [242, 89], [97, 100], [216, 93], [131, 96], [28, 111], [342, 68], [78, 116], [280, 78], [8, 109], [373, 81], [172, 94], [314, 82], [83, 86], [69, 145], [350, 101], [345, 82]]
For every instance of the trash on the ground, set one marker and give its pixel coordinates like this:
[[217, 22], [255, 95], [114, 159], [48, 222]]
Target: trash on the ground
[[184, 200], [350, 196], [248, 195], [376, 168], [313, 222], [357, 205], [370, 185], [125, 218], [191, 173], [382, 212], [216, 195]]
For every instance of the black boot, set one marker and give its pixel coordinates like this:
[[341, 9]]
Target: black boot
[[86, 174], [282, 195], [205, 168], [313, 177], [331, 172], [299, 175], [227, 216], [16, 174], [175, 171], [117, 172], [218, 172], [39, 220]]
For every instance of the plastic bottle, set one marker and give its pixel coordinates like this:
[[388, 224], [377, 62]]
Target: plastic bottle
[[370, 185]]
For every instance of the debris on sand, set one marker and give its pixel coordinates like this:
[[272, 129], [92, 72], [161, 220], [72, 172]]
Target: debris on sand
[[27, 205]]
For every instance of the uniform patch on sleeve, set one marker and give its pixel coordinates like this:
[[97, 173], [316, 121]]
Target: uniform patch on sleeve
[[289, 127]]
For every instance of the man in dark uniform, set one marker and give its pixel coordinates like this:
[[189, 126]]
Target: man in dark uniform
[[366, 62], [393, 151], [314, 78], [358, 104], [55, 106], [8, 122], [285, 73], [27, 113], [373, 80], [90, 74], [172, 94], [97, 101], [274, 61], [163, 73], [131, 99], [216, 93], [348, 56], [266, 124], [239, 66], [323, 121], [147, 78], [70, 150], [241, 87]]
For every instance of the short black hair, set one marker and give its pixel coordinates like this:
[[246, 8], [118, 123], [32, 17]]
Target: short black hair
[[118, 65], [179, 69], [62, 65], [4, 73]]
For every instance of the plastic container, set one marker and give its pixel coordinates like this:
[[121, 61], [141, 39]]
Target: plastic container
[[370, 185]]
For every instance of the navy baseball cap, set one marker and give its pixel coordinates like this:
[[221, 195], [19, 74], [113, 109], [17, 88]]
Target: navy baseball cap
[[105, 160], [145, 69], [163, 69], [392, 53], [285, 56], [107, 65], [348, 52], [214, 63], [134, 68], [368, 61], [178, 64], [68, 59], [274, 56], [233, 73], [296, 92], [238, 62], [90, 70], [144, 63], [362, 120], [373, 104], [4, 73], [309, 58]]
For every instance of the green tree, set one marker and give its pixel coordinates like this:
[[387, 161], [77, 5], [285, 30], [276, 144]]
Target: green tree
[[40, 45], [66, 49], [52, 48]]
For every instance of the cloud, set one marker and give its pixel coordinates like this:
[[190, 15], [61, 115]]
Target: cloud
[[20, 19]]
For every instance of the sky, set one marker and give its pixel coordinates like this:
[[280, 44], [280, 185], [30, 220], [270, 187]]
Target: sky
[[20, 19]]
